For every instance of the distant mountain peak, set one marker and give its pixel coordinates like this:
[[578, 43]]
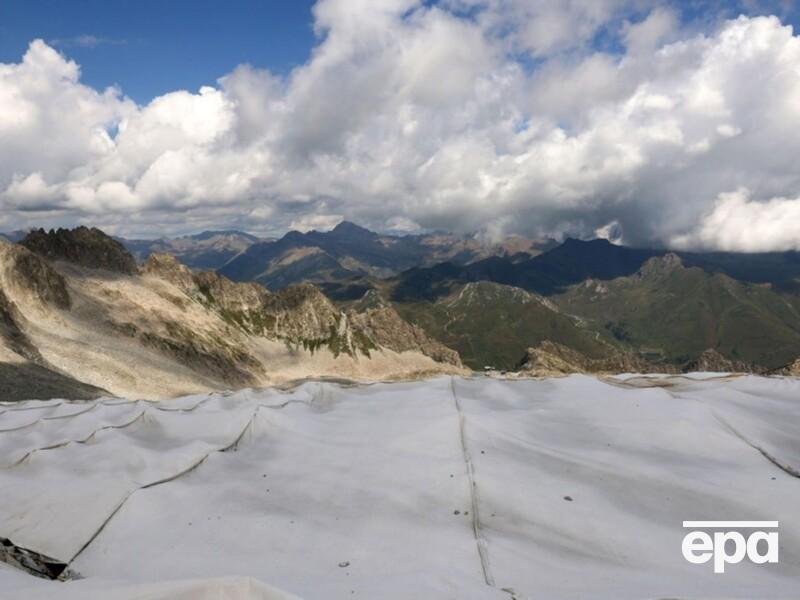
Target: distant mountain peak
[[208, 234], [349, 228], [661, 265]]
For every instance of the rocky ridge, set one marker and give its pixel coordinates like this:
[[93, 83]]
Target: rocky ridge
[[84, 246], [551, 358], [711, 361], [299, 314]]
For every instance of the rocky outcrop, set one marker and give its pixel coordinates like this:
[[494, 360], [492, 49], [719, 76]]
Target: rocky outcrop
[[24, 270], [301, 314], [83, 246], [550, 358], [384, 327], [165, 330], [660, 266], [207, 287], [27, 280], [790, 370], [11, 334], [223, 360], [168, 268], [711, 361]]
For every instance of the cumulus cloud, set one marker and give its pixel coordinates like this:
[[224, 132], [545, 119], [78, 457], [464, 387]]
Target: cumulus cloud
[[316, 222], [466, 115], [647, 34], [739, 223]]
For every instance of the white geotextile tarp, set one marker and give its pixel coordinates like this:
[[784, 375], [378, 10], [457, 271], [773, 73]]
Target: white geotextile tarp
[[447, 488]]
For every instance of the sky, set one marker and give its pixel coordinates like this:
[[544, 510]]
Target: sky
[[670, 124]]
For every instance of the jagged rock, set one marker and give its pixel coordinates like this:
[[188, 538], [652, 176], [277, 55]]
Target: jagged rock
[[712, 361], [550, 358], [301, 314], [167, 267], [228, 295], [81, 246], [297, 313], [166, 330]]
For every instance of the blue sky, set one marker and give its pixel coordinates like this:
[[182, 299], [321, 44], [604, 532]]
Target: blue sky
[[151, 47]]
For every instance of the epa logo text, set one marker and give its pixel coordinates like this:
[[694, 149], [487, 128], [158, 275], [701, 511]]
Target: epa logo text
[[727, 545]]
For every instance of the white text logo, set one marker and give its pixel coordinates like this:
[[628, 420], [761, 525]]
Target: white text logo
[[728, 546]]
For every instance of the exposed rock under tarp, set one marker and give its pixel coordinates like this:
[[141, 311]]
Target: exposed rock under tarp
[[550, 358], [32, 562], [711, 361], [791, 370]]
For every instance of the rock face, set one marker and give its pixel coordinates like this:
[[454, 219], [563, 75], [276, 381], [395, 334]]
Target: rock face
[[659, 266], [383, 326], [24, 270], [82, 246], [164, 330], [167, 267], [550, 358], [27, 280], [32, 280], [300, 314], [713, 362], [791, 370]]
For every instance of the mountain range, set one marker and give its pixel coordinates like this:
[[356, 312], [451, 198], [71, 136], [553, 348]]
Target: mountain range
[[80, 318], [83, 314], [349, 252], [206, 250]]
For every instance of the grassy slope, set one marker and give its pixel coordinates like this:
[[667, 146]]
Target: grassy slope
[[680, 312], [492, 324]]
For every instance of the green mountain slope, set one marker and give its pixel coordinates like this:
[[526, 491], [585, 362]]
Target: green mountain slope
[[490, 324], [673, 313]]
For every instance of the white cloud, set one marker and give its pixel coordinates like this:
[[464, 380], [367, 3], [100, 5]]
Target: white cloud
[[316, 222], [739, 223], [414, 115], [401, 225], [646, 35]]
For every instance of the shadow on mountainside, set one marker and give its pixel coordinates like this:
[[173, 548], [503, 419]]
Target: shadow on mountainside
[[28, 381]]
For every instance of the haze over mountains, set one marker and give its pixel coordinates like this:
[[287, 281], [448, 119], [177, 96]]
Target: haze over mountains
[[84, 314]]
